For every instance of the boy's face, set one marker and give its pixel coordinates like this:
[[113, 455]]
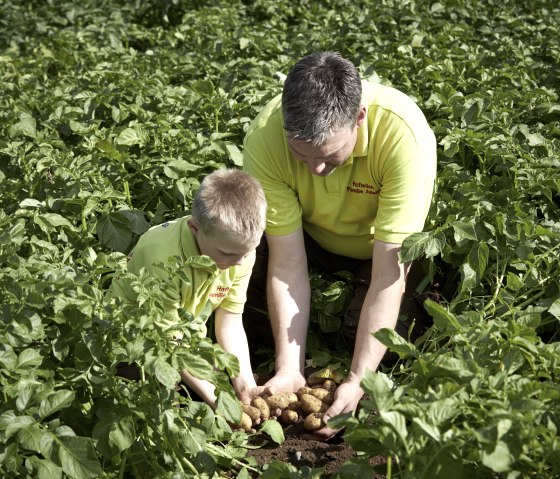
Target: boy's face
[[224, 249]]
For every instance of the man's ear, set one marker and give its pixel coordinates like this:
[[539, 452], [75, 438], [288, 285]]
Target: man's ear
[[193, 225], [361, 116]]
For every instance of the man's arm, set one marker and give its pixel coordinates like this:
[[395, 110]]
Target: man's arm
[[289, 296], [232, 338], [380, 310]]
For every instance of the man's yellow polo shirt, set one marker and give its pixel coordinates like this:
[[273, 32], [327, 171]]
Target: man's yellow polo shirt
[[226, 289], [382, 191]]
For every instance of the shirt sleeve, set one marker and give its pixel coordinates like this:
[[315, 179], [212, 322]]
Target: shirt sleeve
[[408, 169], [265, 157]]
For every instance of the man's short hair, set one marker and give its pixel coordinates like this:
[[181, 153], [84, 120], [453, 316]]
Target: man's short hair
[[322, 94], [231, 201]]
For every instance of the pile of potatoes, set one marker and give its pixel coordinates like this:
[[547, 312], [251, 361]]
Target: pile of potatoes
[[308, 405]]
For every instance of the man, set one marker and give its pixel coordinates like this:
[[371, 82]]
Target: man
[[348, 170]]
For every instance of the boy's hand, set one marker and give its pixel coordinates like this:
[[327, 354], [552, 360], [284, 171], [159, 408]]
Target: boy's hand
[[247, 395], [245, 389], [287, 380]]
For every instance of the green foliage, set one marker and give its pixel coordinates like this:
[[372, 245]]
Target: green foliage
[[110, 115], [486, 402]]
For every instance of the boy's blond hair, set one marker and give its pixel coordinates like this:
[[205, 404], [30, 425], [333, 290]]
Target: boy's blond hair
[[231, 201]]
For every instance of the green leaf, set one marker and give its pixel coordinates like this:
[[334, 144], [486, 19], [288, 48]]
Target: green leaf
[[418, 244], [355, 469], [194, 364], [328, 322], [109, 149], [478, 258], [235, 154], [177, 169], [51, 221], [165, 373], [114, 232], [132, 136], [77, 457], [463, 230], [54, 402], [396, 343], [204, 88], [555, 309], [442, 410], [470, 114], [443, 319], [431, 430], [274, 430], [468, 278], [42, 468], [114, 434], [243, 474], [379, 387], [26, 126], [29, 358], [205, 463], [10, 424], [397, 421], [500, 459], [229, 407], [133, 219], [30, 437], [200, 262]]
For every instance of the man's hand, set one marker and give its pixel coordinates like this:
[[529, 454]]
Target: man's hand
[[289, 380], [346, 399]]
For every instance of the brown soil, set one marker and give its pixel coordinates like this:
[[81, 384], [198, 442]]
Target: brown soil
[[301, 452]]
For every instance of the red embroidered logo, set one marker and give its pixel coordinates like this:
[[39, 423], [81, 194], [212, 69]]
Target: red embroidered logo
[[359, 187], [221, 292]]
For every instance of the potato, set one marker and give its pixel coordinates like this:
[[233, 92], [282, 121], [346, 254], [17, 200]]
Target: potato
[[246, 422], [253, 412], [318, 377], [262, 406], [289, 417], [326, 396], [329, 385], [311, 404], [281, 400], [314, 421], [303, 390]]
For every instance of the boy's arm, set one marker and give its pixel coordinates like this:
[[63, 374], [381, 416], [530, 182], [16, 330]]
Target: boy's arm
[[232, 338], [203, 388]]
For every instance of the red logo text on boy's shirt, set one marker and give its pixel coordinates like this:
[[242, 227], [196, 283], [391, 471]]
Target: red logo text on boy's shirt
[[220, 292], [359, 188]]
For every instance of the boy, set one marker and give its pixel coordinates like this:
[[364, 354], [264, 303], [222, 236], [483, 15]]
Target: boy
[[227, 222]]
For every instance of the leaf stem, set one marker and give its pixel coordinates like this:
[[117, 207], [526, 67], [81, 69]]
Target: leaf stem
[[123, 464], [127, 193]]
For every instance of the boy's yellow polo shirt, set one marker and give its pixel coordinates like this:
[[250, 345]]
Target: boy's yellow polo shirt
[[226, 289], [382, 191]]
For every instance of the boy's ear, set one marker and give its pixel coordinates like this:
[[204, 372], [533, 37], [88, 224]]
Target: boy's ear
[[193, 225]]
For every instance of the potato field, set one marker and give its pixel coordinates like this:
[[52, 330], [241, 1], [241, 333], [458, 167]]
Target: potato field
[[111, 113]]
